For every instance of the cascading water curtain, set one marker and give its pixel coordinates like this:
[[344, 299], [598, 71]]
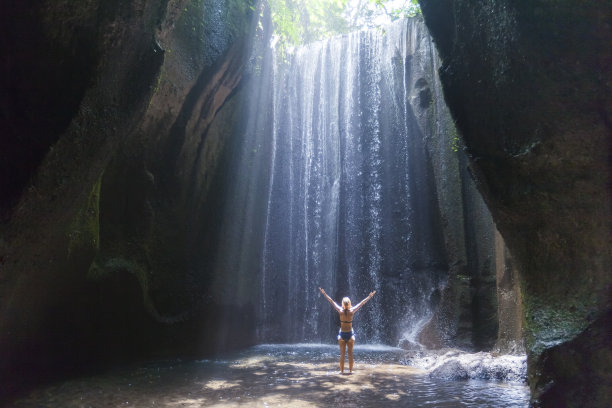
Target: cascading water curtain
[[351, 204]]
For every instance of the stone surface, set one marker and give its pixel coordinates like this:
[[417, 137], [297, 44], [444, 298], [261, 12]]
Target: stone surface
[[529, 86], [102, 104], [450, 370], [469, 314]]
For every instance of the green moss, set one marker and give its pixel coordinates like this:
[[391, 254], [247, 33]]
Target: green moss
[[550, 321], [463, 278], [111, 265], [157, 85], [84, 231], [455, 142], [101, 269]]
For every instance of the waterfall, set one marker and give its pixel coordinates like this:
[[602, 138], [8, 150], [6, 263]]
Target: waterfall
[[335, 188]]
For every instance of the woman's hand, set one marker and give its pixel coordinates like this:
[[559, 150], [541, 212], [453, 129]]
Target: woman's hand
[[372, 293], [322, 291]]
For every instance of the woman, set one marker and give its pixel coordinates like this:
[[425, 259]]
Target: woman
[[346, 335]]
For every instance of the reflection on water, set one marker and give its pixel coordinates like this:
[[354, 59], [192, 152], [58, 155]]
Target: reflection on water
[[300, 375]]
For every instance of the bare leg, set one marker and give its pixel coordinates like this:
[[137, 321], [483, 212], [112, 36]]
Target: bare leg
[[351, 343], [342, 344]]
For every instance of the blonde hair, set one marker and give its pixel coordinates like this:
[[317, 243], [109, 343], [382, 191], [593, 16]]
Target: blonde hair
[[346, 303]]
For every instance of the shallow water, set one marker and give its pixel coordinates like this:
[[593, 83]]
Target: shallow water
[[299, 375]]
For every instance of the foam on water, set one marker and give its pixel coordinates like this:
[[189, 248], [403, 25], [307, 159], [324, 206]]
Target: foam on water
[[458, 365]]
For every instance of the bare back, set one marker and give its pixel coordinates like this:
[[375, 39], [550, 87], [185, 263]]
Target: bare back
[[346, 320]]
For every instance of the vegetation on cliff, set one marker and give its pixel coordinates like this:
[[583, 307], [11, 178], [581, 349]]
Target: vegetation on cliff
[[302, 21]]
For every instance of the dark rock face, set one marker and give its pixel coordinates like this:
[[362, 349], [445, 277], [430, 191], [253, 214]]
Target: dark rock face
[[583, 356], [45, 72], [477, 308], [529, 86], [468, 312], [115, 123]]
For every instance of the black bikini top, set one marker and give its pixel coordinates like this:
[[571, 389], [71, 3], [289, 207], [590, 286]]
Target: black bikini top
[[345, 315]]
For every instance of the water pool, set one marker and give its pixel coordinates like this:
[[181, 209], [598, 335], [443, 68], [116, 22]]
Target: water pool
[[298, 375]]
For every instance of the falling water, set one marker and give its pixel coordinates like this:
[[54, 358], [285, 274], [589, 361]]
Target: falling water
[[350, 203]]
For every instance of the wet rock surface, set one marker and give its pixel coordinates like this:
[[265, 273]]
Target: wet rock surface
[[529, 86], [94, 96], [457, 365], [450, 370]]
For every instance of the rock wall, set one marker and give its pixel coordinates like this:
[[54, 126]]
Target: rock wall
[[528, 84], [115, 124], [471, 312]]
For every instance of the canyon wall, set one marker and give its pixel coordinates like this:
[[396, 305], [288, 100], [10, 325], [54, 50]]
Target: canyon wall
[[121, 124], [529, 86], [116, 118]]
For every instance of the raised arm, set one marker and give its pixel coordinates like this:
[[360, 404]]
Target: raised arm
[[363, 302], [334, 304]]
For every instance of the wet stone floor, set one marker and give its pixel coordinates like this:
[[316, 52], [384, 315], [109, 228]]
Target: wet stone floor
[[278, 376]]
